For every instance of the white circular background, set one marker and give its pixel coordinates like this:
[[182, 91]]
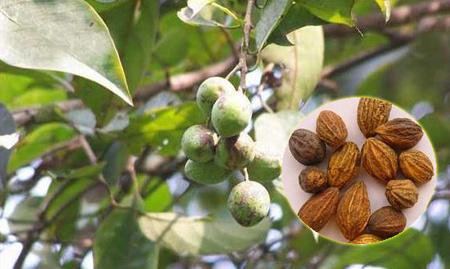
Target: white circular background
[[347, 109]]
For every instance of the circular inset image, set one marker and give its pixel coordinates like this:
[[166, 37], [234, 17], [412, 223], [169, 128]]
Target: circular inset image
[[359, 170]]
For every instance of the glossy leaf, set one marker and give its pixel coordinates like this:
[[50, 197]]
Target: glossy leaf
[[331, 11], [70, 37], [269, 18], [302, 62], [119, 243], [39, 141], [162, 128], [385, 7], [200, 236]]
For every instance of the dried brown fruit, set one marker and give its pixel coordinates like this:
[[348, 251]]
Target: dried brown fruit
[[401, 193], [371, 114], [312, 180], [331, 128], [353, 211], [343, 165], [386, 222], [306, 147], [366, 239], [416, 166], [400, 133], [379, 160], [318, 210]]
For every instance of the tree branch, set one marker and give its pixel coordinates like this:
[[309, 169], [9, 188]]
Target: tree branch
[[245, 43], [399, 16]]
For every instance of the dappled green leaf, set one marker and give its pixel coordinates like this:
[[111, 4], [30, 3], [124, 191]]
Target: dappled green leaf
[[200, 235], [161, 128], [302, 62], [410, 249], [269, 18], [39, 141], [70, 37], [331, 11], [158, 198], [119, 243]]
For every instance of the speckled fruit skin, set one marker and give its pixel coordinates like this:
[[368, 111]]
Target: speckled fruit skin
[[343, 165], [210, 90], [312, 179], [353, 211], [401, 193], [248, 203], [198, 143], [371, 114], [331, 128], [379, 160], [366, 239], [235, 152], [386, 222], [205, 173], [400, 133], [306, 147], [415, 165], [318, 210], [231, 114], [264, 167]]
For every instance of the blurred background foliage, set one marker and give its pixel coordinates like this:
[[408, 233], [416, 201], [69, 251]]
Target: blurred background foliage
[[68, 186]]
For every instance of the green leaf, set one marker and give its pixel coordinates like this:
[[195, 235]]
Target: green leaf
[[208, 13], [39, 141], [161, 128], [27, 211], [411, 249], [303, 65], [270, 17], [159, 198], [200, 235], [70, 37], [120, 244], [83, 172], [385, 7], [331, 11], [116, 158]]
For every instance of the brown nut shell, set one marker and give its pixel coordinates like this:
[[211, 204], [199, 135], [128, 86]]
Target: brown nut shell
[[353, 211], [379, 160], [400, 133], [365, 239], [401, 193], [386, 222], [306, 147], [371, 114], [343, 165], [331, 128], [317, 211], [416, 166], [312, 180]]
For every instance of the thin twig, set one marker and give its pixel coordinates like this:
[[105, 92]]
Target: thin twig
[[246, 43]]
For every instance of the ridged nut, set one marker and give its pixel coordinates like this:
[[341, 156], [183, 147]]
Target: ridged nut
[[371, 114], [331, 128], [343, 165], [386, 222], [416, 166], [353, 211], [312, 179], [401, 193], [379, 160], [400, 133], [318, 210], [306, 147], [365, 239]]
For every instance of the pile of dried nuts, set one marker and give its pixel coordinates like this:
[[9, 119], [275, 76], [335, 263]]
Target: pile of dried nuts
[[382, 154]]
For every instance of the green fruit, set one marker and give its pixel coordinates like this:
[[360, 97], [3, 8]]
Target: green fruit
[[264, 167], [205, 173], [235, 152], [248, 203], [210, 90], [231, 114], [198, 143]]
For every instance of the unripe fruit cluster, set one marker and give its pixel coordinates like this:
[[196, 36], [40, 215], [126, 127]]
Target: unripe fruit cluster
[[215, 151]]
